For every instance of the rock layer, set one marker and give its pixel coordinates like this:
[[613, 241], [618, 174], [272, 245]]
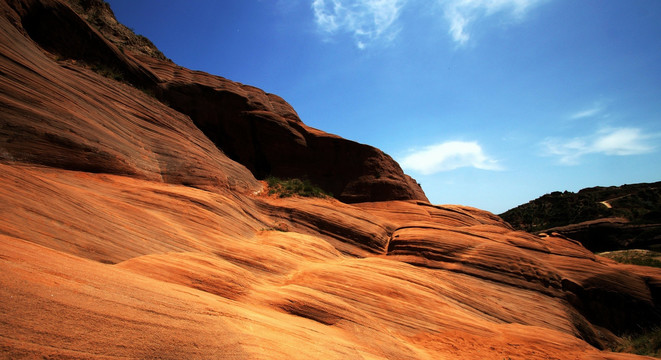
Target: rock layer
[[125, 232], [264, 133], [607, 234], [63, 115], [260, 131], [107, 265]]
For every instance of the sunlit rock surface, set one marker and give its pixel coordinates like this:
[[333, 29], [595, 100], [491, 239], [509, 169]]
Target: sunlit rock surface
[[126, 233]]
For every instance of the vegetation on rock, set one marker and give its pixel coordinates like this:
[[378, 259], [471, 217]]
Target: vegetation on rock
[[638, 203], [294, 187], [645, 343], [635, 257]]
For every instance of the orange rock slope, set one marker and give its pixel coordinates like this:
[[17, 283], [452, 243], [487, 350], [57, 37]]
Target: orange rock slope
[[126, 233]]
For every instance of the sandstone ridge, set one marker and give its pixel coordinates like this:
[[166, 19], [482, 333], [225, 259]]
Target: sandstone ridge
[[134, 225], [258, 130]]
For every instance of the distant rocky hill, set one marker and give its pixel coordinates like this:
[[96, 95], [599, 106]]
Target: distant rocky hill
[[135, 223], [602, 218]]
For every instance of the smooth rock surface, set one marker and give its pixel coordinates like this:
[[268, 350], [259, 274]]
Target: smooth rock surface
[[126, 233]]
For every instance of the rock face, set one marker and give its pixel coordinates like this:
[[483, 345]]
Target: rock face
[[258, 130], [64, 115], [125, 232], [263, 132], [608, 234], [601, 218]]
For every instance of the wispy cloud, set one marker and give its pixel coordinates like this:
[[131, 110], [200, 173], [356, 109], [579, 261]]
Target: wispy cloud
[[609, 141], [460, 14], [449, 156], [597, 109], [371, 20], [586, 113], [365, 20]]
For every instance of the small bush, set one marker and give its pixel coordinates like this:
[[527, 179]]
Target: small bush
[[294, 187], [109, 72], [635, 257], [647, 343], [639, 261]]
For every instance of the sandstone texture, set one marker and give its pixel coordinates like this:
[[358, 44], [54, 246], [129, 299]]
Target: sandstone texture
[[133, 224], [260, 131]]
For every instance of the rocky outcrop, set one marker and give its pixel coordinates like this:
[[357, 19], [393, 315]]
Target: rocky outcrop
[[258, 130], [104, 260], [264, 133], [64, 115], [601, 218], [474, 242], [126, 233], [607, 234]]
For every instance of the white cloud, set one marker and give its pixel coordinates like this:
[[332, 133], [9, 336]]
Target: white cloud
[[371, 20], [586, 113], [597, 109], [448, 156], [461, 13], [366, 20], [609, 141]]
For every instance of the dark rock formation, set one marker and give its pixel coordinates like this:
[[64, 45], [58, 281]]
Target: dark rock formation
[[608, 234], [264, 133], [602, 218], [256, 129], [64, 115]]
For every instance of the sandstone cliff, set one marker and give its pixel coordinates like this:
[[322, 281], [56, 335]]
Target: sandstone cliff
[[258, 130], [134, 226]]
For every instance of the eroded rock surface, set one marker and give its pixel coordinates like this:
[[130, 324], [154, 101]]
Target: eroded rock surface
[[258, 130], [264, 133], [64, 115], [125, 232]]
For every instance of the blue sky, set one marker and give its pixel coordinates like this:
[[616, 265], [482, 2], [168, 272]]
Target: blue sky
[[487, 103]]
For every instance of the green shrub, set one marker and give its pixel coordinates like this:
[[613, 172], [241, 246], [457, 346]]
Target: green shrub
[[294, 187], [109, 72], [644, 262], [647, 342], [634, 257]]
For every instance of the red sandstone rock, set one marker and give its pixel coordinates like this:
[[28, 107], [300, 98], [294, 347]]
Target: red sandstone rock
[[124, 232], [264, 133], [66, 116]]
